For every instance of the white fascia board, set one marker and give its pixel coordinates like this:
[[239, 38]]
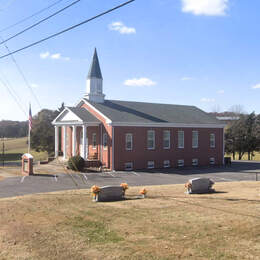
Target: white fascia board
[[60, 114], [76, 123], [177, 125], [108, 121]]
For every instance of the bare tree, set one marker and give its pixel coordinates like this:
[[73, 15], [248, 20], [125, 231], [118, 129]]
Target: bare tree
[[216, 108], [237, 109]]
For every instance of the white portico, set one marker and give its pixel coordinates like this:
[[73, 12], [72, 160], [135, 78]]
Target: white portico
[[71, 132]]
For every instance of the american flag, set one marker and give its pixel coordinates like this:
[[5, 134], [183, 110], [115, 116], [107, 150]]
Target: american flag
[[30, 118]]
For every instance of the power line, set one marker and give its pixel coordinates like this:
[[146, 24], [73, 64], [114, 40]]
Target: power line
[[29, 17], [28, 28], [23, 75], [39, 22], [12, 93], [67, 29]]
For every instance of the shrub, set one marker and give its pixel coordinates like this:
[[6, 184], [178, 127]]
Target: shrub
[[76, 163]]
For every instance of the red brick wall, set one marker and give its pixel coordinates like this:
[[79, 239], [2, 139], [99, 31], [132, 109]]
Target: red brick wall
[[140, 154], [69, 140], [106, 154], [78, 133], [90, 131]]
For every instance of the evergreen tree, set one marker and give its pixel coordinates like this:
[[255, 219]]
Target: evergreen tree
[[42, 135]]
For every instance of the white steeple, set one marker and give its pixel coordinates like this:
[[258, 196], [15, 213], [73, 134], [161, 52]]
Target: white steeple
[[95, 82]]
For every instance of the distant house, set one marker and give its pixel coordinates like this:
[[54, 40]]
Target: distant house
[[126, 135]]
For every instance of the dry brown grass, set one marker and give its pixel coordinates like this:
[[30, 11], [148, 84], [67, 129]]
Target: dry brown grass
[[10, 171], [50, 168], [16, 147], [168, 224]]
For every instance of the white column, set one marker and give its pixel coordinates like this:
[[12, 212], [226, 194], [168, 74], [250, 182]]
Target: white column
[[84, 142], [74, 140], [56, 141], [113, 149], [64, 142]]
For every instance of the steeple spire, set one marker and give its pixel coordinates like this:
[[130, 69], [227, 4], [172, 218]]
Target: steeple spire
[[94, 70], [95, 81]]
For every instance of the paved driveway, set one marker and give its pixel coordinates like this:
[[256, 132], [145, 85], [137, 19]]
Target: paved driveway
[[16, 186]]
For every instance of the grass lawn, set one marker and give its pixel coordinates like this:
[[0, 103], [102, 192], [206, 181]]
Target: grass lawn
[[168, 224], [16, 147]]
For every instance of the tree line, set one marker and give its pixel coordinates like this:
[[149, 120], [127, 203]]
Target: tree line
[[242, 136], [13, 129], [42, 133]]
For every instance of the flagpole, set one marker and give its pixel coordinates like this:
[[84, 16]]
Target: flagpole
[[29, 138], [29, 128]]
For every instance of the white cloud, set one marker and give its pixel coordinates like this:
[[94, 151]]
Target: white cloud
[[139, 82], [54, 56], [208, 100], [221, 91], [44, 55], [205, 7], [257, 86], [186, 78], [121, 28]]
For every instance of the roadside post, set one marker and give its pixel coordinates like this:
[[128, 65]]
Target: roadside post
[[27, 164]]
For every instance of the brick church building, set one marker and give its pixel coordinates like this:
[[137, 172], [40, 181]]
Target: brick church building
[[126, 135]]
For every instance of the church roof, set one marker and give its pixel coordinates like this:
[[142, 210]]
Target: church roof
[[83, 114], [141, 112], [95, 71]]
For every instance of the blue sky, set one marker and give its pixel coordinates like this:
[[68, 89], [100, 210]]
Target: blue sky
[[193, 52]]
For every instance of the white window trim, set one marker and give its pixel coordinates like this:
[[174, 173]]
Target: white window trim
[[212, 160], [166, 165], [151, 148], [181, 147], [94, 147], [181, 161], [168, 147], [150, 167], [129, 134], [105, 147], [197, 162], [130, 168], [195, 146], [211, 146]]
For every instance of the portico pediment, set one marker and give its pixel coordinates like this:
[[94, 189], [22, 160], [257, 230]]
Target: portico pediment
[[75, 116], [67, 116]]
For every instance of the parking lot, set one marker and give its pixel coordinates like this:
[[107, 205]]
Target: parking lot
[[16, 186]]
